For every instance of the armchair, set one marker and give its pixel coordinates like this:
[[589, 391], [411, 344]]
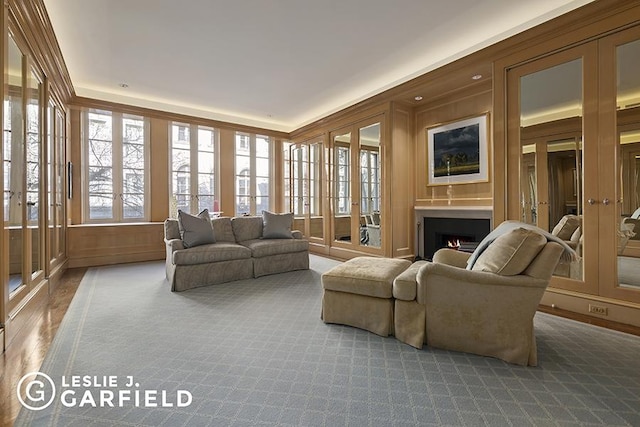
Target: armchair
[[488, 313]]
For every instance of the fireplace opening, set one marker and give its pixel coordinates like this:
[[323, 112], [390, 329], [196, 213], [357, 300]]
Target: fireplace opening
[[457, 233]]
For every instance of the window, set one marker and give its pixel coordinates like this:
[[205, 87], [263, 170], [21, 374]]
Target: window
[[115, 174], [253, 170], [193, 169]]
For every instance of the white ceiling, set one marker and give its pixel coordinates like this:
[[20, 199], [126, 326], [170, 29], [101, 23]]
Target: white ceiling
[[277, 64]]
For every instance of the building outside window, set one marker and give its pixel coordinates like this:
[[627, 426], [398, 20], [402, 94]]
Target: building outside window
[[253, 172], [115, 158], [193, 169]]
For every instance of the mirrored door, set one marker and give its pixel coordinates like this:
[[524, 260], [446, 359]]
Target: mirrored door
[[548, 120], [621, 215]]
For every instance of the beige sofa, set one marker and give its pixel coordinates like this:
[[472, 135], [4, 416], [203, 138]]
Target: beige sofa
[[239, 252]]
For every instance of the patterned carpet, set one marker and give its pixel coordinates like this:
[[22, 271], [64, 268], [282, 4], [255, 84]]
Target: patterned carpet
[[255, 352]]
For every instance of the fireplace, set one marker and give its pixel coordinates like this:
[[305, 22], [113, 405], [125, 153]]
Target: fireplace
[[452, 232], [458, 228]]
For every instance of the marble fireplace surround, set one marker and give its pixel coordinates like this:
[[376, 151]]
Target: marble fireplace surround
[[447, 212]]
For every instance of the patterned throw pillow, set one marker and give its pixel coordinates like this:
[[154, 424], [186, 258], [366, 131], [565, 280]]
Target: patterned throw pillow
[[195, 230]]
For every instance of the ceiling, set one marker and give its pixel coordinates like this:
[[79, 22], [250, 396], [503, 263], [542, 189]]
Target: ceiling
[[276, 64]]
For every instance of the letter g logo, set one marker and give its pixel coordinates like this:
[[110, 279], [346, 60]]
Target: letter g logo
[[36, 391]]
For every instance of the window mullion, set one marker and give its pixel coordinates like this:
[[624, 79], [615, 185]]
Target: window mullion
[[253, 192], [195, 169], [117, 167]]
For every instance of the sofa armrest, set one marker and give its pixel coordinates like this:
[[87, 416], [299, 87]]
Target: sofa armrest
[[173, 245], [297, 234], [451, 257]]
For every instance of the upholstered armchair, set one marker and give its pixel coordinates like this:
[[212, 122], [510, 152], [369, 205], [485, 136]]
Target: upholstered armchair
[[486, 309]]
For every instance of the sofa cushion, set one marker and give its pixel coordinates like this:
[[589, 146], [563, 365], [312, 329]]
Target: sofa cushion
[[511, 253], [222, 229], [195, 230], [246, 227], [276, 226], [567, 225], [267, 247], [215, 252]]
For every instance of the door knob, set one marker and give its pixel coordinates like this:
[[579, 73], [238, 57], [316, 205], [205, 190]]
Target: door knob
[[591, 201], [605, 201]]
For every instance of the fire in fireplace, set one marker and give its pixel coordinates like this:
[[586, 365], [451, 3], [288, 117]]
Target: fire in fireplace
[[456, 233]]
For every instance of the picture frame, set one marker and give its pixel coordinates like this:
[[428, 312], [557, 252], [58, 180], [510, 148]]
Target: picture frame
[[457, 152]]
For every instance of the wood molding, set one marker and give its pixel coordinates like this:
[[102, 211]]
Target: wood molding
[[32, 20], [79, 102]]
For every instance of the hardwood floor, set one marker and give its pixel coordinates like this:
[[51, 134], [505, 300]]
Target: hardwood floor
[[27, 352]]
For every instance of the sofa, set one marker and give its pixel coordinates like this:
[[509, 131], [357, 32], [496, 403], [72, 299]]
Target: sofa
[[236, 250]]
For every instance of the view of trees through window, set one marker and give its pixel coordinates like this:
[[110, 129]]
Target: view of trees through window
[[193, 169], [253, 171], [115, 159]]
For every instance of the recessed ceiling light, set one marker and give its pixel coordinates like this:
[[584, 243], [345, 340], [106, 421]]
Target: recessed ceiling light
[[477, 77], [123, 85], [417, 98]]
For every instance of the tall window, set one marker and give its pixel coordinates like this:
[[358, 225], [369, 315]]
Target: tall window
[[193, 169], [253, 171], [116, 158]]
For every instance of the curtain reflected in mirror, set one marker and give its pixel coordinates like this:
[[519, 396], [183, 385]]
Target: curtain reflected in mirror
[[628, 123], [551, 155]]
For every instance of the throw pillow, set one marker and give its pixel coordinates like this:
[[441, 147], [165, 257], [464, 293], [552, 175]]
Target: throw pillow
[[511, 253], [195, 230], [276, 226], [567, 225]]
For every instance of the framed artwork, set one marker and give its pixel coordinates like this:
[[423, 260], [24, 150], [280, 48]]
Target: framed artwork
[[457, 152]]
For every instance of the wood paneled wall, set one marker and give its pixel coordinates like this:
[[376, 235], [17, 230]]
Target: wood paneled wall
[[471, 102]]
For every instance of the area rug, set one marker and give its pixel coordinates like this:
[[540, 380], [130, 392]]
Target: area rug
[[255, 352]]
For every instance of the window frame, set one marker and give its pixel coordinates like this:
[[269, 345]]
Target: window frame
[[117, 168], [194, 168]]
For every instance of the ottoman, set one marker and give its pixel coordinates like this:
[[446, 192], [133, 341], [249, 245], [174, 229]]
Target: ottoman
[[359, 293]]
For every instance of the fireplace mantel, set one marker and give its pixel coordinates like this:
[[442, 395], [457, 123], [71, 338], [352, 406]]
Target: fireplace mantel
[[470, 212]]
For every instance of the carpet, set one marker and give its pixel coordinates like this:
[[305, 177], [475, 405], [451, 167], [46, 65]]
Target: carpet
[[255, 352]]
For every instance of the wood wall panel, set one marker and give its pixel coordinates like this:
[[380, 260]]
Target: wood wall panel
[[91, 245], [455, 108], [402, 183], [159, 176]]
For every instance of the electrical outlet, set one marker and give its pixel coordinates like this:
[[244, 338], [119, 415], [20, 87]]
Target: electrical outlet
[[597, 309]]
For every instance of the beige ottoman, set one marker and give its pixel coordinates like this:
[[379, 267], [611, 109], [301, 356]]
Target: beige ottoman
[[359, 293]]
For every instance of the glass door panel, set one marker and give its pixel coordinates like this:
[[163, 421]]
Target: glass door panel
[[546, 116], [13, 159], [342, 208], [627, 218], [369, 162], [316, 219], [34, 176]]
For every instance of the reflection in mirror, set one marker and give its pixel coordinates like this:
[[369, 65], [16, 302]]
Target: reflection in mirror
[[342, 187], [13, 162], [34, 143], [370, 185], [551, 159], [315, 193], [529, 201], [628, 121]]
